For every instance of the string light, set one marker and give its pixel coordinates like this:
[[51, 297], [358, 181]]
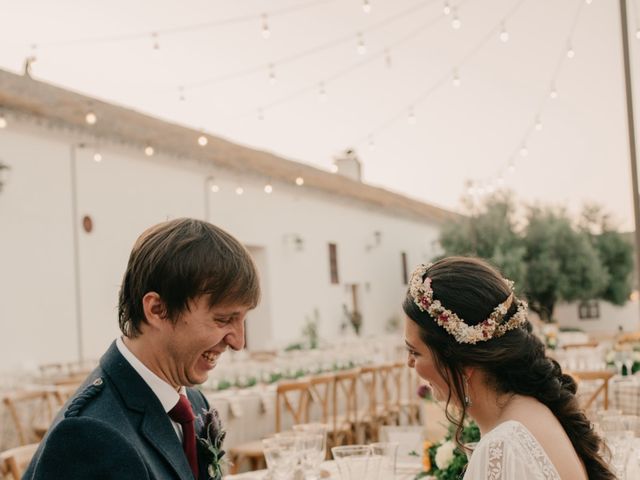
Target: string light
[[268, 188], [202, 141], [638, 33], [266, 33], [570, 51], [553, 93], [299, 181], [181, 93], [334, 168], [155, 44], [523, 151], [512, 166], [455, 21], [362, 49], [322, 92], [456, 78], [387, 58], [91, 118], [239, 190], [538, 125], [272, 74], [97, 157], [366, 6], [411, 119], [148, 150], [215, 188], [504, 35], [446, 8], [3, 121], [588, 2]]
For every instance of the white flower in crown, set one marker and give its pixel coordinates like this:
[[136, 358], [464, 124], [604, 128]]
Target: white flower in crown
[[422, 293]]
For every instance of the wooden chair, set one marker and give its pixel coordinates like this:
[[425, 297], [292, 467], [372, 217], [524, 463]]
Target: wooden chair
[[407, 403], [590, 344], [32, 412], [603, 388], [292, 399], [344, 420], [14, 462], [320, 398]]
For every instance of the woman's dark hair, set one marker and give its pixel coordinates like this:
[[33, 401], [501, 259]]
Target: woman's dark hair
[[514, 363], [180, 260]]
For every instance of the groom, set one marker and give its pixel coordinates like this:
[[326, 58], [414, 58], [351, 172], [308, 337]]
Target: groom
[[183, 300]]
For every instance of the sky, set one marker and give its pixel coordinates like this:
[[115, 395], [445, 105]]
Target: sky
[[306, 93]]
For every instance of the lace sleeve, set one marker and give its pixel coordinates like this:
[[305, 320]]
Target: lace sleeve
[[507, 457]]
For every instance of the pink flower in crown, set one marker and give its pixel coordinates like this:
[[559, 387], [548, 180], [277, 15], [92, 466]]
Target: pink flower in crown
[[444, 317], [427, 284]]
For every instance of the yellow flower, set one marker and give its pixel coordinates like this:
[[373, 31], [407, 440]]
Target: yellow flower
[[426, 459]]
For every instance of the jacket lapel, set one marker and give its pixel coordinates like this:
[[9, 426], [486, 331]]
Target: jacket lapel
[[153, 421]]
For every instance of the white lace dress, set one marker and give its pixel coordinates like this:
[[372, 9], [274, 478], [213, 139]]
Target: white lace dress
[[510, 452]]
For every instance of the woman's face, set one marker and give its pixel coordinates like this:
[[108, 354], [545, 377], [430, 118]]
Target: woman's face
[[421, 358]]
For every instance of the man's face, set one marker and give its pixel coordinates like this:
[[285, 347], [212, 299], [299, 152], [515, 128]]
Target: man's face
[[200, 335]]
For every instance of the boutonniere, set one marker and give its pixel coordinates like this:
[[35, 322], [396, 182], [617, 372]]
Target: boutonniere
[[210, 445]]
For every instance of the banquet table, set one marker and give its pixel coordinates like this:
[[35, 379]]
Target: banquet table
[[329, 472]]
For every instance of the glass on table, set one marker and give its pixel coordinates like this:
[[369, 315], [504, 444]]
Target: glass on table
[[356, 462], [388, 452], [282, 454]]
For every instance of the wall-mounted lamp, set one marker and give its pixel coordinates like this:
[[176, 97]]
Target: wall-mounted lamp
[[4, 174], [295, 241], [376, 241]]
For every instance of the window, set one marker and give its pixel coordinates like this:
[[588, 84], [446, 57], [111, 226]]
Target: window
[[405, 275], [588, 310], [333, 263]]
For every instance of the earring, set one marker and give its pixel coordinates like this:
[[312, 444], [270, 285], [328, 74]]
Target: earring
[[467, 398]]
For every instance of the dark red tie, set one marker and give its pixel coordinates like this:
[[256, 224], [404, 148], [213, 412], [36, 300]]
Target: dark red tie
[[183, 415]]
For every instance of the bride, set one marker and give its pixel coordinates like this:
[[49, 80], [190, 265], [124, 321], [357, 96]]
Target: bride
[[468, 335]]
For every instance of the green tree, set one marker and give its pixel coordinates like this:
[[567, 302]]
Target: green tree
[[489, 233], [615, 251], [562, 263], [549, 258]]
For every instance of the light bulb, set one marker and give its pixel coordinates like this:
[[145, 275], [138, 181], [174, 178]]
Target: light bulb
[[366, 6], [334, 168], [504, 35], [570, 52], [91, 118], [553, 93], [97, 157], [268, 188], [362, 49], [239, 190], [588, 2], [272, 74], [411, 119], [299, 181], [446, 9], [215, 188], [322, 93], [148, 150], [523, 151], [456, 79], [202, 140], [266, 33], [3, 122], [538, 125], [181, 96], [455, 21]]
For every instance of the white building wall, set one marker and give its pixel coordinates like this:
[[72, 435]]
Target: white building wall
[[611, 318], [127, 192]]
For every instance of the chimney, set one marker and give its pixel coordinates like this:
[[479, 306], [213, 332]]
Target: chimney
[[348, 165]]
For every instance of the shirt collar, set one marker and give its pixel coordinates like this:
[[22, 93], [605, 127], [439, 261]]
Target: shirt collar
[[167, 395]]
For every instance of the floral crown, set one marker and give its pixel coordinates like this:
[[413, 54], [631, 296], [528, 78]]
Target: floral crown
[[422, 294]]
